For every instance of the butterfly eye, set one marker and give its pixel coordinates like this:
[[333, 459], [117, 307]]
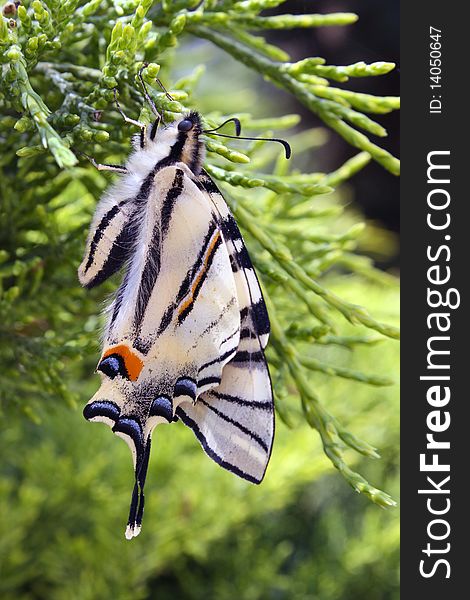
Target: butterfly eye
[[185, 125]]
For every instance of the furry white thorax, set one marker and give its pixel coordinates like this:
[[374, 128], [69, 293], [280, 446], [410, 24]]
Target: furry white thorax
[[140, 163], [142, 160]]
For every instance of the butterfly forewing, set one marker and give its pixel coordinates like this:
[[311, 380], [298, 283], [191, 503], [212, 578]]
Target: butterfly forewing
[[110, 240], [234, 422]]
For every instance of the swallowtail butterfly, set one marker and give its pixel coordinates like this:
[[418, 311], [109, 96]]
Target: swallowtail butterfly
[[187, 328]]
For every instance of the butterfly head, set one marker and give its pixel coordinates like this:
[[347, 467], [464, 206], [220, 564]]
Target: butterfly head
[[178, 142]]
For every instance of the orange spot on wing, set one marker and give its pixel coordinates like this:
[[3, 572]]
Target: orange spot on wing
[[134, 364]]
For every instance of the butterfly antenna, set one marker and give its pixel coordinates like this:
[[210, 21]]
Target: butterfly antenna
[[146, 94], [123, 114], [286, 145], [238, 127]]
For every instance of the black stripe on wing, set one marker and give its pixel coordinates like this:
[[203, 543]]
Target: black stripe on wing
[[209, 451], [116, 306], [152, 264], [149, 276], [200, 278], [100, 232], [258, 404], [244, 356], [251, 434], [190, 275], [173, 194], [117, 256], [189, 279], [209, 380], [256, 315], [222, 358]]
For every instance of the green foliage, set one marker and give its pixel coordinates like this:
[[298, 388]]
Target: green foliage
[[50, 28], [60, 64], [300, 535]]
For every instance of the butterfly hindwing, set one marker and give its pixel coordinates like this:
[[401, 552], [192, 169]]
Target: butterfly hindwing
[[234, 431]]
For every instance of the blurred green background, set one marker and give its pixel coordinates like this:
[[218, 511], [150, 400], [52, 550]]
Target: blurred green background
[[303, 534]]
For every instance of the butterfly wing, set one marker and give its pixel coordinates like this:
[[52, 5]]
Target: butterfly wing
[[175, 320], [111, 236], [234, 422]]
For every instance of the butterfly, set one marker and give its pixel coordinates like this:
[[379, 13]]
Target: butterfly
[[187, 328]]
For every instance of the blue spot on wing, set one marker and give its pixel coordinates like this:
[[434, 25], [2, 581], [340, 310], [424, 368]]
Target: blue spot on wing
[[162, 407], [102, 408]]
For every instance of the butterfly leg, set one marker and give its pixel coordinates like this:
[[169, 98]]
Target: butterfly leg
[[104, 166], [124, 116]]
